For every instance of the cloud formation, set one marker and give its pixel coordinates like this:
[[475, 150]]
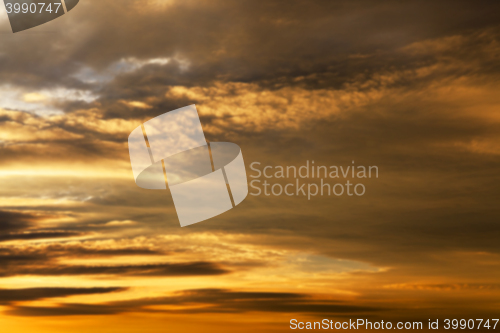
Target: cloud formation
[[212, 300], [411, 87], [31, 294]]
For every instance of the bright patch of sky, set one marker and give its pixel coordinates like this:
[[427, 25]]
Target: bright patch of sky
[[41, 102], [122, 66]]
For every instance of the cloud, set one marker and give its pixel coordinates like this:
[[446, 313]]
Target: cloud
[[8, 296], [46, 259], [38, 235], [446, 286], [252, 43], [206, 301], [167, 269], [14, 220], [18, 225]]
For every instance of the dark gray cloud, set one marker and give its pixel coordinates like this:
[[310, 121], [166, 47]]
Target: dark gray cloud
[[80, 251], [167, 269], [213, 301], [8, 296], [14, 221], [43, 260], [65, 250], [18, 225], [241, 41], [38, 235]]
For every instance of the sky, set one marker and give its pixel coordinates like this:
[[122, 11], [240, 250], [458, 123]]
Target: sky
[[408, 86]]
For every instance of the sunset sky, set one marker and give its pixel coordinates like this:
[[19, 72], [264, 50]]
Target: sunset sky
[[411, 87]]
